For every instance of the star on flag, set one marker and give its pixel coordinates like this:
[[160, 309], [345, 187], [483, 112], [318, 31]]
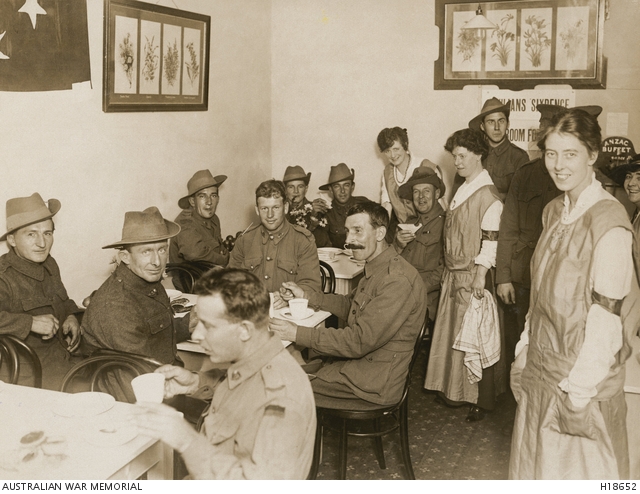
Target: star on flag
[[33, 9], [2, 55]]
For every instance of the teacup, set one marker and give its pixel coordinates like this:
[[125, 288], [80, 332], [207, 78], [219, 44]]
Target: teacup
[[149, 387], [298, 307]]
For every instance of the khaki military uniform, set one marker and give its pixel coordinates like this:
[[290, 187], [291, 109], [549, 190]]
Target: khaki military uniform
[[132, 315], [384, 315], [288, 254], [426, 254], [32, 289], [200, 239], [261, 423]]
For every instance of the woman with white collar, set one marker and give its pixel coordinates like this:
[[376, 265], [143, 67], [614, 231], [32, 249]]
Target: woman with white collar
[[568, 375], [470, 242]]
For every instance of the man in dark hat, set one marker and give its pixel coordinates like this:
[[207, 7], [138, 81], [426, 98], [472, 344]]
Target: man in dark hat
[[520, 227], [504, 157], [302, 212], [424, 249], [200, 237], [341, 185], [628, 176], [275, 250], [130, 312], [34, 305]]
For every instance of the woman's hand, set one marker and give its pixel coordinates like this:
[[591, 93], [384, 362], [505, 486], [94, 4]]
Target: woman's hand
[[477, 285]]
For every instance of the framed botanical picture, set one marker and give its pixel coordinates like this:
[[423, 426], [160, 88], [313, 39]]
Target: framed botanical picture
[[155, 58], [518, 44]]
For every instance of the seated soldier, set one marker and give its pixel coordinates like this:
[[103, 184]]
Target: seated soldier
[[384, 315], [131, 312], [275, 250], [200, 237], [34, 305], [341, 185], [302, 212], [423, 249], [261, 423]]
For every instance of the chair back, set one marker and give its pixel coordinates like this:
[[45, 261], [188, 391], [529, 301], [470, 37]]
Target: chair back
[[185, 274], [11, 348], [328, 277], [110, 371], [414, 357]]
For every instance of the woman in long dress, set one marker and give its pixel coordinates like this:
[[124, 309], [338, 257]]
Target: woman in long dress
[[470, 238], [568, 375]]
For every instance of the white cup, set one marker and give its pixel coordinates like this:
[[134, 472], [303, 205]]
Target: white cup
[[298, 307], [149, 387]]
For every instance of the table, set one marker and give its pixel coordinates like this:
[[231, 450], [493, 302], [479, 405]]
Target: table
[[348, 273], [71, 453], [195, 358]]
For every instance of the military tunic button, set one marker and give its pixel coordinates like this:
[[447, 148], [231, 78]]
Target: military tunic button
[[266, 276], [213, 410], [269, 366], [268, 258], [271, 237], [235, 375], [353, 311]]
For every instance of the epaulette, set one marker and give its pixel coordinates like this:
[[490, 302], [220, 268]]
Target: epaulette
[[249, 230], [302, 229], [395, 265]]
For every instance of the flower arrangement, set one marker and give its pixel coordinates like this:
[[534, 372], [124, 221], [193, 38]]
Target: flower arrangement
[[193, 68], [504, 39], [571, 37], [536, 39], [126, 57], [172, 63], [468, 42], [150, 59], [305, 217]]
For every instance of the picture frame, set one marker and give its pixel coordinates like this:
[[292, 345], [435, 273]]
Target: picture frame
[[155, 58], [534, 42]]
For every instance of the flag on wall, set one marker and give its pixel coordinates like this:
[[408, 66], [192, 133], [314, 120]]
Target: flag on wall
[[44, 44]]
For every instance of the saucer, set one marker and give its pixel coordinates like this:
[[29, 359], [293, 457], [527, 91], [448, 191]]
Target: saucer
[[86, 404], [172, 294], [286, 313]]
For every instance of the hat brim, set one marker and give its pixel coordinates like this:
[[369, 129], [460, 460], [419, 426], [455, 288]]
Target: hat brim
[[52, 204], [306, 179], [405, 191], [475, 122], [328, 186], [619, 173], [218, 180], [172, 230]]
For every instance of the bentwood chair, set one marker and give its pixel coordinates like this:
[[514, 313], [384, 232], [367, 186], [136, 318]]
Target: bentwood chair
[[11, 349], [185, 274], [328, 277], [109, 371], [369, 420]]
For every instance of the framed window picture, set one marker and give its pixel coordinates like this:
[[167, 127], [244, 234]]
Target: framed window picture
[[155, 58], [518, 44]]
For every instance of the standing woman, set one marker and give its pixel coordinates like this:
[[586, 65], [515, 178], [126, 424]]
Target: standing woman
[[470, 242], [568, 375]]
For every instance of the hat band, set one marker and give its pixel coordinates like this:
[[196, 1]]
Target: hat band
[[17, 220], [142, 232]]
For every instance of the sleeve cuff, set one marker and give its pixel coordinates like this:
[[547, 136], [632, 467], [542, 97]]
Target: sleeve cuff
[[303, 336]]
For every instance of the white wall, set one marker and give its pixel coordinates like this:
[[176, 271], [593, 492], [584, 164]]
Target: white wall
[[306, 82], [100, 165], [342, 71]]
